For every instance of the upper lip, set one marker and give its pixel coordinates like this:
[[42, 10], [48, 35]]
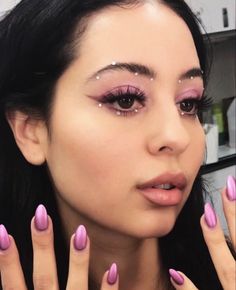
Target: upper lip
[[176, 179]]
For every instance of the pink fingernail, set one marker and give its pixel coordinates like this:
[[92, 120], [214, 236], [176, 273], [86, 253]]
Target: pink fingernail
[[210, 216], [177, 277], [112, 275], [4, 238], [41, 218], [230, 190], [80, 239]]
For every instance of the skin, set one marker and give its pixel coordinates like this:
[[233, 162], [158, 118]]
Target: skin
[[103, 161], [96, 158]]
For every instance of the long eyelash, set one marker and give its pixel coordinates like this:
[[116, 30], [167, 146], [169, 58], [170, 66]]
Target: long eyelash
[[112, 97], [205, 103]]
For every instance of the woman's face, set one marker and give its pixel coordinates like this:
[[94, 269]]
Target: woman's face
[[97, 155]]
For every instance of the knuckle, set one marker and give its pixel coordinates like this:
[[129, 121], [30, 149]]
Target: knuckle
[[43, 243], [43, 282], [79, 261]]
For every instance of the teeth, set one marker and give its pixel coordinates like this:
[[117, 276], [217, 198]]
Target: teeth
[[164, 186]]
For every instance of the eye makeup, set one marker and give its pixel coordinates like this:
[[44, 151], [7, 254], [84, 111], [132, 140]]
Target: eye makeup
[[129, 93], [130, 100]]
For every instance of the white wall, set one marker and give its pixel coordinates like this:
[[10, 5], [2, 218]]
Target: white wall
[[6, 5]]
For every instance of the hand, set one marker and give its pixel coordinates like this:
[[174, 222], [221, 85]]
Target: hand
[[44, 265], [214, 237]]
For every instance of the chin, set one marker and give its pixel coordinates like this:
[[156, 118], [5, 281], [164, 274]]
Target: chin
[[153, 230]]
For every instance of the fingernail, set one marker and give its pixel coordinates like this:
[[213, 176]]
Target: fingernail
[[80, 239], [41, 218], [230, 190], [177, 277], [4, 238], [112, 275], [210, 216]]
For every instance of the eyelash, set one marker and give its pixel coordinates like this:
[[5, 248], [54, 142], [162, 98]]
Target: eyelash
[[201, 104]]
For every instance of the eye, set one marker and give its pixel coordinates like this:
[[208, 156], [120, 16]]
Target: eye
[[194, 105], [189, 106], [125, 100]]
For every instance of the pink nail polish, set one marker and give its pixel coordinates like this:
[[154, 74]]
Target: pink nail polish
[[177, 277], [230, 190], [112, 275], [41, 218], [80, 239], [4, 238], [210, 216]]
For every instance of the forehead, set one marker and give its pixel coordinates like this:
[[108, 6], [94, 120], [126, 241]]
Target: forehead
[[151, 33]]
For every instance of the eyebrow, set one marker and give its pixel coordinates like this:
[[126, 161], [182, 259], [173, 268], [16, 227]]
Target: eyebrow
[[143, 70], [193, 72], [123, 66]]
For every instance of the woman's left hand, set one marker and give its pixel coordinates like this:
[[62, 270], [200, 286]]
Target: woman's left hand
[[214, 237]]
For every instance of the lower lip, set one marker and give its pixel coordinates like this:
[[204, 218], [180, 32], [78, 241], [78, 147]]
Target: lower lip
[[163, 197]]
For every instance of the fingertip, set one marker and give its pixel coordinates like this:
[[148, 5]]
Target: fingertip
[[176, 277], [110, 278], [4, 238], [10, 253], [112, 275], [77, 246], [37, 231]]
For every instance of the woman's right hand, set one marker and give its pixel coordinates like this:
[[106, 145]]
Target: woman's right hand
[[44, 262]]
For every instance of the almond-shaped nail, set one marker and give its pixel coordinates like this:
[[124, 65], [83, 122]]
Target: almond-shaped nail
[[41, 218], [177, 277], [4, 238], [230, 189], [112, 274], [210, 216], [80, 238]]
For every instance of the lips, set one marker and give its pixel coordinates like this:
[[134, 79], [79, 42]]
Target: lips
[[176, 179], [164, 197]]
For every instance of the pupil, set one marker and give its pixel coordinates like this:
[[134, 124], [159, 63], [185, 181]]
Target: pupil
[[187, 106], [126, 102]]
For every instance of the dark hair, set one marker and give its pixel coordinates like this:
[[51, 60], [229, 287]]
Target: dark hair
[[37, 43]]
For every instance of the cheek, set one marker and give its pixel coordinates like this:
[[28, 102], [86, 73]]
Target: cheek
[[198, 146], [88, 159], [194, 155]]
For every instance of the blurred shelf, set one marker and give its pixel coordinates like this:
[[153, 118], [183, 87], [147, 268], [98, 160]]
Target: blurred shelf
[[221, 36], [227, 157]]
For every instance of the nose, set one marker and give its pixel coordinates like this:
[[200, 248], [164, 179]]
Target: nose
[[170, 133]]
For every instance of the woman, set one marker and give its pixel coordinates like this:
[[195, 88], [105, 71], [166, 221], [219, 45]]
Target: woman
[[100, 109]]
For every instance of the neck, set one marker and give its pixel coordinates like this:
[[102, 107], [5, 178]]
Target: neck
[[132, 259], [138, 260]]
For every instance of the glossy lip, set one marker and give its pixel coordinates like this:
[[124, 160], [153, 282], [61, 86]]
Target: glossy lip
[[164, 197]]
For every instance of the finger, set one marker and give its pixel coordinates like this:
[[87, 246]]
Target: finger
[[229, 206], [110, 279], [181, 281], [10, 263], [79, 260], [220, 254], [45, 271]]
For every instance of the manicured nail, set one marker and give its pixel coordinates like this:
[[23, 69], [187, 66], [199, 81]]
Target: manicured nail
[[177, 277], [41, 218], [4, 238], [230, 190], [112, 275], [80, 239], [210, 216]]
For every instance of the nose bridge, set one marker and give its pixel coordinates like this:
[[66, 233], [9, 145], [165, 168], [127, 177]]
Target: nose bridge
[[168, 131]]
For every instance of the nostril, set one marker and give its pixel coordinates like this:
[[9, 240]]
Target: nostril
[[165, 148]]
